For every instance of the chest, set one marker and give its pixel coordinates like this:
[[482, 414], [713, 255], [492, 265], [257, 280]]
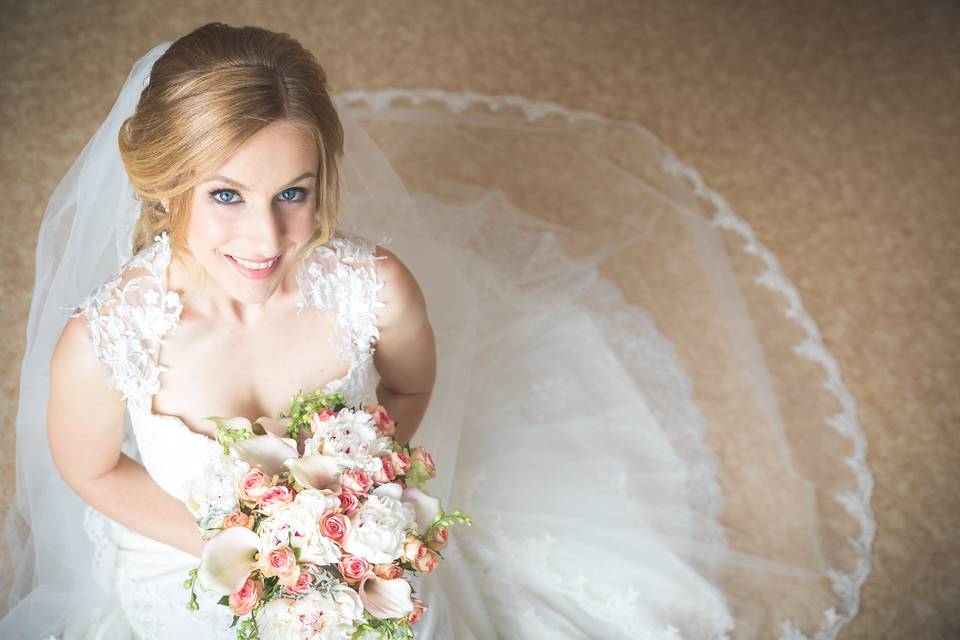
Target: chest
[[213, 370]]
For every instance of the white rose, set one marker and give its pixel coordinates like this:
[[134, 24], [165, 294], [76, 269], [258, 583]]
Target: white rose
[[379, 528]]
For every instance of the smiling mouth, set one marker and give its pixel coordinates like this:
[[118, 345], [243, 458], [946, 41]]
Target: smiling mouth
[[254, 269], [254, 264]]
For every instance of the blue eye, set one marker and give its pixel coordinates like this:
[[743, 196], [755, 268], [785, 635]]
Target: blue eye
[[214, 194], [304, 193]]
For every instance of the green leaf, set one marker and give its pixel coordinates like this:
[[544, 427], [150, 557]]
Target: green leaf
[[444, 520]]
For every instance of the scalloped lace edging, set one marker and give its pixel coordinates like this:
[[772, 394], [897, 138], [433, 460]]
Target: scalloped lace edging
[[846, 585]]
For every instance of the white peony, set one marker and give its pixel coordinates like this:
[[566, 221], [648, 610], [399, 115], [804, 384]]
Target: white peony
[[317, 502], [352, 438], [379, 528], [214, 494], [314, 617], [294, 525]]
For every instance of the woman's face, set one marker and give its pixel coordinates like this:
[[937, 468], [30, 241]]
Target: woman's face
[[250, 218]]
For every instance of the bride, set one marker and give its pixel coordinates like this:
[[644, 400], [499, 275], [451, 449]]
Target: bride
[[685, 464]]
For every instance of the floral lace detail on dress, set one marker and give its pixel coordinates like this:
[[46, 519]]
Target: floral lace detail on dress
[[128, 316], [340, 277]]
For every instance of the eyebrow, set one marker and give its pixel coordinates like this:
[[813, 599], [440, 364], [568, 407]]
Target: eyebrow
[[237, 184]]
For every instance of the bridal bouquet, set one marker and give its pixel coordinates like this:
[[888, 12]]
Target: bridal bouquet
[[316, 520]]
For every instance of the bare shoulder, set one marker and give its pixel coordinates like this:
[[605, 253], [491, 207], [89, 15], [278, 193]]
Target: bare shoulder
[[401, 294], [84, 414], [74, 353]]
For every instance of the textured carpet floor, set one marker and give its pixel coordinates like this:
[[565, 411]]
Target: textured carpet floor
[[833, 130]]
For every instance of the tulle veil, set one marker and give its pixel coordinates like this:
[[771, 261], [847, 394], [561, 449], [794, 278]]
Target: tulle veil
[[576, 272]]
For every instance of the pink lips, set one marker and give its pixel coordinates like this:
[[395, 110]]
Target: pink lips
[[255, 274]]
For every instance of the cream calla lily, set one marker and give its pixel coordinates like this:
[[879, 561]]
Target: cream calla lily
[[274, 426], [228, 559], [232, 423], [315, 471], [268, 452], [385, 599], [425, 507]]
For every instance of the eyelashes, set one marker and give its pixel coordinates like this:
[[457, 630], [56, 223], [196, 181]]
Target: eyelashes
[[303, 192]]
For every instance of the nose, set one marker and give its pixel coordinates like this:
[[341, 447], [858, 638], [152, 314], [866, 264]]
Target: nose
[[266, 231]]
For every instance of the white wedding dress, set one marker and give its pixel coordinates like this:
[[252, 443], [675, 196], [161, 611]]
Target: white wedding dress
[[128, 318], [683, 464], [131, 313]]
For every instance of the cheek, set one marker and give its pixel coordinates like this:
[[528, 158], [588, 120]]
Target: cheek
[[303, 227], [206, 229]]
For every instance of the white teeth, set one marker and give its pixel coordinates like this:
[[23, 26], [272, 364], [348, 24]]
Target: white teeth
[[257, 266]]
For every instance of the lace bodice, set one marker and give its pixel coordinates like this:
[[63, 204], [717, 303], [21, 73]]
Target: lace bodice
[[130, 314]]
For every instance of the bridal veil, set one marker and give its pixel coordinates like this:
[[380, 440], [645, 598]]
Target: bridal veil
[[517, 217]]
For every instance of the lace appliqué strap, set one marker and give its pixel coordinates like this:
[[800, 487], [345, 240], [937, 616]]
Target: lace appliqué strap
[[128, 316], [341, 278]]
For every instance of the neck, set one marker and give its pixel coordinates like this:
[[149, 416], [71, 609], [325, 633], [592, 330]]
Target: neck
[[206, 298]]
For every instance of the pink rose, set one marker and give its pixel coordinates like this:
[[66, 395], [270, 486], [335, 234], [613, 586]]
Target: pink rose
[[413, 548], [246, 598], [421, 454], [253, 485], [388, 570], [380, 417], [418, 609], [400, 461], [353, 568], [386, 473], [356, 481], [335, 526], [348, 502], [238, 519], [421, 466], [317, 418], [304, 583], [428, 561], [282, 563], [275, 497], [438, 540]]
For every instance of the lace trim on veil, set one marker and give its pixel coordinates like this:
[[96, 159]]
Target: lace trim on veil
[[846, 585]]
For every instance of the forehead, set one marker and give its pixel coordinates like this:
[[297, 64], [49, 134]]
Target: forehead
[[275, 154]]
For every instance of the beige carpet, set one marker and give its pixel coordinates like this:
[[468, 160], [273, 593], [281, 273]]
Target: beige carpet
[[833, 130]]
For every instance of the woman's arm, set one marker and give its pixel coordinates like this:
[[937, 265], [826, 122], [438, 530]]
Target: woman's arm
[[405, 354], [85, 429]]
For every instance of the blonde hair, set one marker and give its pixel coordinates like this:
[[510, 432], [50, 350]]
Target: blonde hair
[[210, 92]]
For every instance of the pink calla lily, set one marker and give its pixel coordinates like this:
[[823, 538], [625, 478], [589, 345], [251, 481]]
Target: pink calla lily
[[268, 452], [426, 507], [315, 471], [274, 426], [228, 559], [385, 599]]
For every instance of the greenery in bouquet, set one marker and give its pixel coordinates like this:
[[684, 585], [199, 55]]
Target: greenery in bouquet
[[315, 521]]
